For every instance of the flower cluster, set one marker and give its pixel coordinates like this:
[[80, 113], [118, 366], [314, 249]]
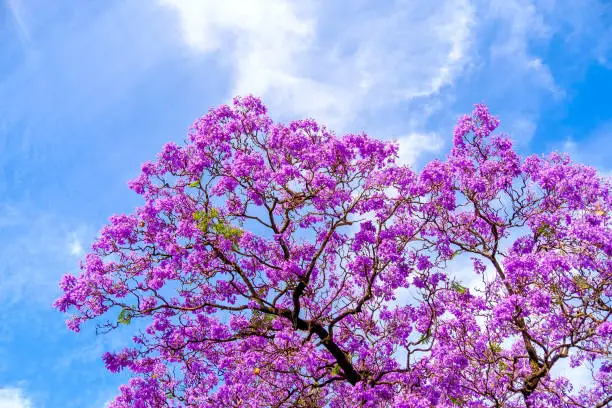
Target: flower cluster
[[269, 265]]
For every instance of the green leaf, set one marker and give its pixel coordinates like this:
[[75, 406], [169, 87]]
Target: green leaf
[[212, 220], [581, 282], [459, 288], [261, 320], [195, 184], [203, 226], [125, 316], [425, 338], [227, 231], [456, 401], [213, 212], [220, 228], [545, 230], [495, 347]]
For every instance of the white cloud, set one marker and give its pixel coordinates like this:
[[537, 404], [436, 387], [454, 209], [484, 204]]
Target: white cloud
[[14, 398], [511, 73], [413, 145], [205, 23], [36, 249], [305, 62], [545, 77], [78, 66], [592, 149], [578, 376], [15, 7], [9, 215], [75, 246], [523, 20], [520, 128]]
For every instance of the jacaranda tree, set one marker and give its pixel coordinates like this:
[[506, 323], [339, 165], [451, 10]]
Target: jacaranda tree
[[278, 265]]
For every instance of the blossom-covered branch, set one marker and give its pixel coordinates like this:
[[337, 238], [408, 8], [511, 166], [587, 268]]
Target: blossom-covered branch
[[266, 265]]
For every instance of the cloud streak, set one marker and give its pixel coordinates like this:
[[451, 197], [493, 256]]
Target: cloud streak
[[306, 62], [15, 7], [14, 398]]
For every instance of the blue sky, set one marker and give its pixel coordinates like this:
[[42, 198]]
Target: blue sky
[[90, 90]]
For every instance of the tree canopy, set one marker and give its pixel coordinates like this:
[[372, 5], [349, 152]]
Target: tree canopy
[[279, 265]]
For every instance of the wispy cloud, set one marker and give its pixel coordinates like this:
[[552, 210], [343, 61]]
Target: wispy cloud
[[81, 63], [354, 64], [74, 245], [14, 398], [593, 149], [15, 7], [414, 145], [36, 248], [306, 61]]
